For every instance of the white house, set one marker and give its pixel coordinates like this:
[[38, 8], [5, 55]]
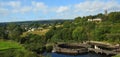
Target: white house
[[95, 20], [31, 29], [90, 19]]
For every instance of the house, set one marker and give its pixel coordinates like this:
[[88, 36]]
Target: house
[[31, 29], [90, 19], [95, 20]]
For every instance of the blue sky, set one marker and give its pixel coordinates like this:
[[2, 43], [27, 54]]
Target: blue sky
[[26, 10]]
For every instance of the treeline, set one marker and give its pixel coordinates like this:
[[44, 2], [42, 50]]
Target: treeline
[[83, 30]]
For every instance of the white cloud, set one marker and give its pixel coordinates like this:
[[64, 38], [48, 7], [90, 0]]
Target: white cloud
[[38, 6], [22, 10], [26, 9], [96, 6], [18, 7], [4, 11], [87, 7], [62, 9], [15, 4], [12, 4], [10, 7]]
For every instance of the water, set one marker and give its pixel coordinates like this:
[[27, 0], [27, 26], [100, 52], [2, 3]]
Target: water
[[82, 55]]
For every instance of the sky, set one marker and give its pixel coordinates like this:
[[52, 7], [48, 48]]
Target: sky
[[27, 10]]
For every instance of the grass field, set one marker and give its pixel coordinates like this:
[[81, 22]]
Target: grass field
[[9, 45], [38, 32]]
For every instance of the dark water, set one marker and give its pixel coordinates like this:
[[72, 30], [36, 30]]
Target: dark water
[[82, 55]]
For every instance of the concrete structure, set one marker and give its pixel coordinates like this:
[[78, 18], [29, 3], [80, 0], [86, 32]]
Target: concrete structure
[[90, 46]]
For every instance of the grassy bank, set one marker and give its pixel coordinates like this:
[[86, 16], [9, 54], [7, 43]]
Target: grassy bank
[[9, 45], [117, 55], [14, 49]]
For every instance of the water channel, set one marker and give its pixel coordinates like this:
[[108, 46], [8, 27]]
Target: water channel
[[81, 55]]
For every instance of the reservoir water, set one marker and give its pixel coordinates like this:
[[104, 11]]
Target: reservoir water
[[82, 55]]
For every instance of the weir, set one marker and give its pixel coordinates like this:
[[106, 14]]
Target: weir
[[79, 48]]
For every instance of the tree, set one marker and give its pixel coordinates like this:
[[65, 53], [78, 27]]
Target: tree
[[66, 34], [79, 34], [3, 33], [100, 32], [14, 31], [77, 19], [114, 17], [34, 43], [89, 28], [50, 33], [66, 24]]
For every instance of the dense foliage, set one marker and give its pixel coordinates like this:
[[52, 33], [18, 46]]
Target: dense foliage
[[82, 30], [34, 43]]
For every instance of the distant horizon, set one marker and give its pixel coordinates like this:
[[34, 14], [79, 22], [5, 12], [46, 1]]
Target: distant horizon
[[48, 19], [30, 10], [36, 20]]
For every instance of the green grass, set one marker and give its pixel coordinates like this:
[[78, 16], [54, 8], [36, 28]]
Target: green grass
[[9, 45], [14, 49], [117, 55]]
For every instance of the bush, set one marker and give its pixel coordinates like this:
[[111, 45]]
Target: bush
[[17, 53], [49, 48]]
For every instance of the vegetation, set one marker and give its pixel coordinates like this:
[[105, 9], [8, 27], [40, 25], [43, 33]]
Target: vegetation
[[38, 32], [49, 48], [117, 55], [82, 30], [32, 43], [14, 49], [9, 45]]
